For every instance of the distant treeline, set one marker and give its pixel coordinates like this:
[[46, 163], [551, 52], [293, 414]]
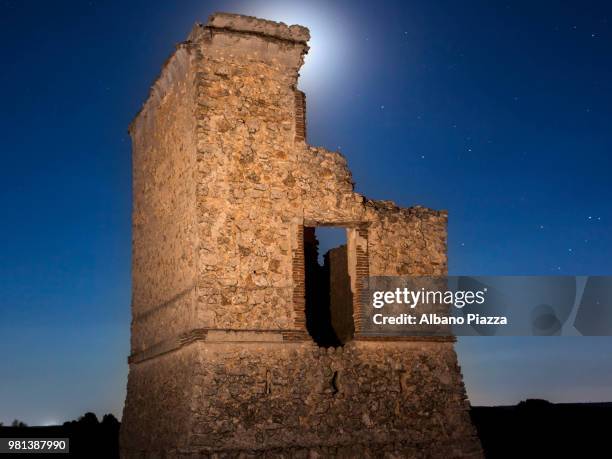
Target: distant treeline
[[88, 436], [534, 428]]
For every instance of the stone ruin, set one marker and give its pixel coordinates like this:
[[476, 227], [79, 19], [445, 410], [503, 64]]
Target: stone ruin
[[242, 345]]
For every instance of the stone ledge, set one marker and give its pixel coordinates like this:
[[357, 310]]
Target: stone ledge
[[250, 24], [425, 338], [219, 335], [386, 206]]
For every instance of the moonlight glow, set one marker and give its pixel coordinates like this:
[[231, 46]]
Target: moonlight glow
[[329, 53]]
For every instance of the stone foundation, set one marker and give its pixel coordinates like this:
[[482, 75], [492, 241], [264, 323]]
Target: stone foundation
[[264, 398]]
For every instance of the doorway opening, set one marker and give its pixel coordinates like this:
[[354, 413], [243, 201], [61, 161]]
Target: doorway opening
[[328, 293]]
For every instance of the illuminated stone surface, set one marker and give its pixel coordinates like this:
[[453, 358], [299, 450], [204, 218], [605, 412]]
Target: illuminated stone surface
[[221, 361]]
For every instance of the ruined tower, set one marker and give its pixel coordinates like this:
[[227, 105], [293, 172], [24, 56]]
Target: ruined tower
[[227, 198]]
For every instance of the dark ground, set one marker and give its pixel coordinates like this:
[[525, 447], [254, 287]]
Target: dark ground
[[539, 429], [89, 438], [531, 429]]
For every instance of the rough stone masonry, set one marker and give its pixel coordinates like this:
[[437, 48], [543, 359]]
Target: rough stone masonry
[[227, 198]]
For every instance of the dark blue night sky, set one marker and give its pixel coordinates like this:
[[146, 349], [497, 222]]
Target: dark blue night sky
[[499, 112]]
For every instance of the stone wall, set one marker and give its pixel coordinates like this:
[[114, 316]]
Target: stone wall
[[164, 207], [224, 185], [406, 242], [341, 294], [363, 399], [246, 131]]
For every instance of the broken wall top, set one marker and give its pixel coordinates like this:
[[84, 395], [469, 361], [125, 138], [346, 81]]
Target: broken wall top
[[253, 25], [231, 38]]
